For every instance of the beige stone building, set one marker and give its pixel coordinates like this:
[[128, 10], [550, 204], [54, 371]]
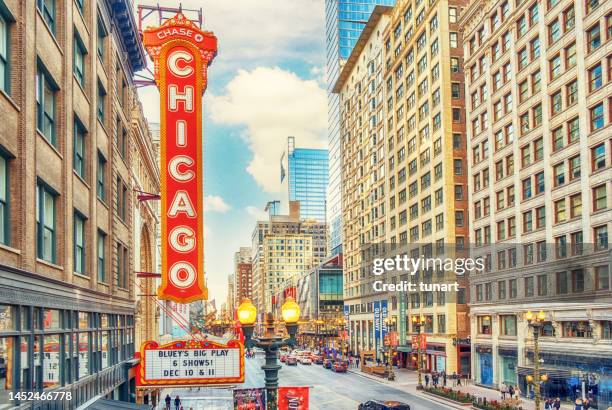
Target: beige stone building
[[363, 157], [73, 145], [282, 247], [538, 84], [427, 196]]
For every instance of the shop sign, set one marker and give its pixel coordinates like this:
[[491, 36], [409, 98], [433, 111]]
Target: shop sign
[[181, 53], [190, 363], [250, 399], [293, 398]]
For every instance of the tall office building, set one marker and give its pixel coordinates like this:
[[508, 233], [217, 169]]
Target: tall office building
[[344, 21], [364, 154], [304, 176], [279, 252], [243, 279], [427, 167], [539, 81]]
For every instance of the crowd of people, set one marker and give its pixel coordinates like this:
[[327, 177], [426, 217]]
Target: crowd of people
[[440, 379]]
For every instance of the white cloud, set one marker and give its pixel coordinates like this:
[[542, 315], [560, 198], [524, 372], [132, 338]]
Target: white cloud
[[214, 203], [258, 30], [272, 104], [256, 213], [253, 33]]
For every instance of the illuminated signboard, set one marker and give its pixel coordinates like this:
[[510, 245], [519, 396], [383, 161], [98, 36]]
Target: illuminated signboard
[[181, 53], [192, 362]]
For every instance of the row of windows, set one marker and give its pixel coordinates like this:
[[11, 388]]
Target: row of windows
[[573, 282]]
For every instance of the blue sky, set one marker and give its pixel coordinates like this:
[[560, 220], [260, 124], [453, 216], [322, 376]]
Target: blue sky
[[266, 83]]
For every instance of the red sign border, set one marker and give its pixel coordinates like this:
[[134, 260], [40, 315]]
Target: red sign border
[[182, 345], [199, 88]]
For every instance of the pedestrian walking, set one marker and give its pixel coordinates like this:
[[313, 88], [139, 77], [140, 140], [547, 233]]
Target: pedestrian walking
[[503, 389], [444, 378], [426, 380], [557, 404], [548, 404], [168, 401], [578, 404], [177, 403], [357, 362]]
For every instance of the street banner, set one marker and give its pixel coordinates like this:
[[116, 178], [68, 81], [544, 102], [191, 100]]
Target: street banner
[[190, 363], [250, 399], [181, 53], [415, 342], [294, 398], [423, 341], [402, 319], [384, 313], [376, 326]]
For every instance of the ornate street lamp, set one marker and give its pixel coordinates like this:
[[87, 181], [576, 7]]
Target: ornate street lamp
[[269, 341], [390, 321], [418, 323], [536, 322]]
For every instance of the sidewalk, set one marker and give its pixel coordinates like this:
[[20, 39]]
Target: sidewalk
[[407, 380]]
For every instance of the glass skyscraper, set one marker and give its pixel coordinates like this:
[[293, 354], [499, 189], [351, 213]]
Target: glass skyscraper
[[305, 172], [344, 21]]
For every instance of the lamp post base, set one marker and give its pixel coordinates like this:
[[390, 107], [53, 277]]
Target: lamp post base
[[420, 387]]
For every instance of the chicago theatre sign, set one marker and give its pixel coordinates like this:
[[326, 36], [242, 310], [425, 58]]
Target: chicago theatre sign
[[181, 53]]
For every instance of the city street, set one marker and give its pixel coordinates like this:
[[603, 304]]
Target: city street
[[329, 390]]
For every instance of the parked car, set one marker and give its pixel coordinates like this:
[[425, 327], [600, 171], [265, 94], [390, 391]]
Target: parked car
[[340, 366], [327, 363], [304, 360], [383, 405], [316, 359], [291, 361]]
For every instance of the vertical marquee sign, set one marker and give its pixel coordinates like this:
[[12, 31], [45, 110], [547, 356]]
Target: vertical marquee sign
[[181, 53]]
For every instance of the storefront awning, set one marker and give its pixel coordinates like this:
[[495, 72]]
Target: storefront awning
[[404, 348], [104, 404]]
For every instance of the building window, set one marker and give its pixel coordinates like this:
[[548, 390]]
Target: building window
[[562, 283], [45, 223], [45, 105], [81, 5], [578, 281], [453, 40], [602, 277], [593, 38], [101, 102], [529, 286], [5, 71], [484, 325], [513, 288], [47, 9], [508, 325], [600, 200], [101, 256], [4, 201], [595, 78], [542, 285], [580, 329], [79, 148], [101, 177], [79, 243], [441, 323], [598, 157], [79, 60], [101, 40], [121, 199], [601, 237], [122, 266]]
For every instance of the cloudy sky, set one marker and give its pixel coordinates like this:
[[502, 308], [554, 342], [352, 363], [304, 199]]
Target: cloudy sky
[[266, 83]]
